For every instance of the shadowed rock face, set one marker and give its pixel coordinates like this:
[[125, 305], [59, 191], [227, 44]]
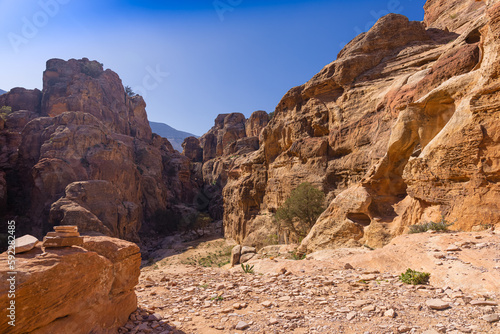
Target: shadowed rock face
[[81, 152], [88, 289], [214, 154], [398, 130]]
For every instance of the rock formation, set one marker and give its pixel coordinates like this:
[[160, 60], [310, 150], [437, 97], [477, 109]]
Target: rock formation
[[88, 289], [399, 130], [81, 152], [231, 137]]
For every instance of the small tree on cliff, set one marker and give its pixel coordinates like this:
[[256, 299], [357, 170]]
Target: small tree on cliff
[[129, 91], [301, 210]]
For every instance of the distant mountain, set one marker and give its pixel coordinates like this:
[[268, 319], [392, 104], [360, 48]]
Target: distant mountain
[[175, 137], [2, 91]]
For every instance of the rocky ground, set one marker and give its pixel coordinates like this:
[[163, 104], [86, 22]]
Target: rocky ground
[[321, 294]]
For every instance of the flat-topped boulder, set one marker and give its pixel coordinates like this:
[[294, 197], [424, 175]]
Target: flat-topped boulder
[[87, 289]]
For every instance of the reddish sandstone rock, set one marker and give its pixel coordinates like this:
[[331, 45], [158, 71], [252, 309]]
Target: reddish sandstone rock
[[91, 131], [22, 99], [74, 289], [257, 121], [192, 149], [83, 85]]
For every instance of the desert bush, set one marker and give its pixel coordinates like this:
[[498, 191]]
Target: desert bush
[[5, 111], [92, 69], [414, 277], [301, 210], [247, 269], [218, 258], [439, 226], [297, 256]]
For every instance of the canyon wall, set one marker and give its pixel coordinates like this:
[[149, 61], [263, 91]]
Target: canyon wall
[[81, 152], [400, 129]]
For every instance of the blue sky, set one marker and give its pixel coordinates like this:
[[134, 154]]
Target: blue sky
[[191, 60]]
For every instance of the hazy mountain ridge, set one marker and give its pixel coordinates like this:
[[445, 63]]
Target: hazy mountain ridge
[[2, 91], [174, 136]]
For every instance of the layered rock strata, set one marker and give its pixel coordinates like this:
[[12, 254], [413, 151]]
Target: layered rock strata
[[81, 152], [88, 289], [399, 130]]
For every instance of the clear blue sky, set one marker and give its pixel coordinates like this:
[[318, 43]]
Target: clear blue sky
[[192, 60]]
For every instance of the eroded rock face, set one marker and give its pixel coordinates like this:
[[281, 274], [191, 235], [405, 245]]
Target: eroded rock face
[[231, 138], [398, 130], [85, 155], [87, 289], [192, 149]]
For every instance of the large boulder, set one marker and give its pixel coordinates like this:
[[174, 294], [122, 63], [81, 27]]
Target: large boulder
[[87, 289]]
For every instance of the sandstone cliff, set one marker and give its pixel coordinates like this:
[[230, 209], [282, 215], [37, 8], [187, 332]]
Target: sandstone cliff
[[81, 152], [215, 153], [88, 289], [400, 129]]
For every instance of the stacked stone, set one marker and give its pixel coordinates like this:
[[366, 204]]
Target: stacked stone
[[64, 236]]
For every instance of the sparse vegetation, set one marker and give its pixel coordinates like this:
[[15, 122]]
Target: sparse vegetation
[[5, 111], [219, 298], [297, 256], [414, 277], [271, 115], [129, 91], [92, 68], [218, 259], [300, 211], [439, 226], [247, 269], [271, 239]]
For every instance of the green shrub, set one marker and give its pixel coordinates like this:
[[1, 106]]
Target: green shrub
[[297, 256], [247, 269], [216, 259], [5, 111], [439, 226], [301, 209], [414, 277]]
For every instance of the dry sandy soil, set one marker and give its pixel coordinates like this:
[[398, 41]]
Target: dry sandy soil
[[353, 290]]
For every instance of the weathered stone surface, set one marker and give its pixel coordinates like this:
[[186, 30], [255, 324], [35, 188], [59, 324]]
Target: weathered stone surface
[[491, 318], [192, 149], [51, 242], [231, 139], [25, 243], [22, 99], [246, 257], [257, 121], [74, 290], [404, 116], [84, 154], [437, 304], [247, 249], [235, 255]]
